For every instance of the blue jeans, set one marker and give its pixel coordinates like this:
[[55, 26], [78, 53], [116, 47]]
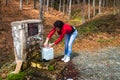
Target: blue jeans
[[69, 39]]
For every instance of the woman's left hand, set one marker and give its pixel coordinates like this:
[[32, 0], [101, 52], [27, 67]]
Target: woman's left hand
[[51, 44]]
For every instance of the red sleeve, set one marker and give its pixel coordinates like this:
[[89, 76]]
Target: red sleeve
[[51, 33], [60, 38]]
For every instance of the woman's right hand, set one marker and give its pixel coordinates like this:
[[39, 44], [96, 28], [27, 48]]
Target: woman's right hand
[[46, 42]]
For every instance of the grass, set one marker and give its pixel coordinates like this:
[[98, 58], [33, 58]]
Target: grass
[[0, 78], [89, 28], [104, 24], [19, 76], [103, 40]]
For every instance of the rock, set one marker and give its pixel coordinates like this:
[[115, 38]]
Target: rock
[[3, 76]]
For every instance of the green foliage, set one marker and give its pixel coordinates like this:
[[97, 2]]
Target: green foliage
[[51, 67], [0, 78], [19, 76]]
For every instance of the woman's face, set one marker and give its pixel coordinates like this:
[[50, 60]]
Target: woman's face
[[58, 29]]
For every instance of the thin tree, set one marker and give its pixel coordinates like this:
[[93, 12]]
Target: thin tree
[[47, 5], [44, 8], [93, 8], [0, 11], [34, 4], [6, 2], [41, 10], [67, 6], [106, 4], [73, 2], [118, 6], [78, 1], [83, 11], [100, 2], [89, 9], [103, 3], [21, 5], [114, 6], [69, 11], [52, 1], [60, 4], [27, 2], [63, 6]]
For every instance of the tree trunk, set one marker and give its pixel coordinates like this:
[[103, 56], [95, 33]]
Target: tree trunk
[[107, 4], [93, 8], [78, 1], [83, 11], [6, 2], [114, 6], [63, 6], [0, 12], [69, 11], [47, 5], [89, 9], [118, 6], [41, 10], [103, 3], [21, 5], [67, 7], [27, 2], [34, 4], [73, 2], [43, 6], [51, 5], [53, 1], [60, 5], [100, 2]]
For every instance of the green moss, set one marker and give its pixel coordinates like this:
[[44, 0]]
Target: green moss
[[0, 78], [51, 67], [19, 76]]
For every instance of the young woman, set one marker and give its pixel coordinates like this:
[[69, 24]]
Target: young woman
[[64, 30]]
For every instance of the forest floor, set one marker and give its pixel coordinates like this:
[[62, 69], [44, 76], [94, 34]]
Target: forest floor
[[86, 42]]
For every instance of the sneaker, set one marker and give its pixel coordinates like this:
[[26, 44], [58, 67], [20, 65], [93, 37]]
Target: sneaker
[[64, 57], [67, 59]]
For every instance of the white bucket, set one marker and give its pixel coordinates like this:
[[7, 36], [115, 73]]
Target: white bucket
[[69, 79], [47, 53]]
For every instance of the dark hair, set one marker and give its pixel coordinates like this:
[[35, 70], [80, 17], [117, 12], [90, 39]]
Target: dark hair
[[59, 24]]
